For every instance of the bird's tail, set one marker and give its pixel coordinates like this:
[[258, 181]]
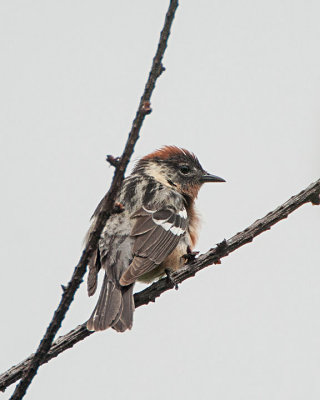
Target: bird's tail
[[114, 308]]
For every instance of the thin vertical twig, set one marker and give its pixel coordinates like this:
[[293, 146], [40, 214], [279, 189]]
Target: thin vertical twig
[[104, 211]]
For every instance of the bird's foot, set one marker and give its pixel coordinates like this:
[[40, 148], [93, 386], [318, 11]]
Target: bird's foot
[[170, 278], [190, 256]]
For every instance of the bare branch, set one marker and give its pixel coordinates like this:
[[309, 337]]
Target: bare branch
[[213, 256], [105, 210], [223, 249]]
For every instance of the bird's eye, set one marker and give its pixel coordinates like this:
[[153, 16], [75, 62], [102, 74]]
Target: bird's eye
[[184, 169]]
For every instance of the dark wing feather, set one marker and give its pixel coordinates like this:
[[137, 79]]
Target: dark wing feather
[[156, 233], [94, 268]]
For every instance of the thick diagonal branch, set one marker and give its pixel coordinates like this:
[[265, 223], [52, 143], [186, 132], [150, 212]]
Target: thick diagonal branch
[[104, 212], [311, 194]]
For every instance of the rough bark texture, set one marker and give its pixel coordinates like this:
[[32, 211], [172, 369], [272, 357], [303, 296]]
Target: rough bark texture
[[213, 256], [105, 211]]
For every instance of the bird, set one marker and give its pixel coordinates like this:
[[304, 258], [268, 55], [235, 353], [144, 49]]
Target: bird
[[150, 238]]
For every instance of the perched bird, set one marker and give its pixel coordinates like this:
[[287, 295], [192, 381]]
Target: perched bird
[[158, 226]]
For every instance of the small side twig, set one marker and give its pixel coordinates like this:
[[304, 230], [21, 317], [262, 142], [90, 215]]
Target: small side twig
[[114, 161]]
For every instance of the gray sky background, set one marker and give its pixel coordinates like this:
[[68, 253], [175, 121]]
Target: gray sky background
[[242, 91]]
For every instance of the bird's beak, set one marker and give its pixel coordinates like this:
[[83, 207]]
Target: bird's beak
[[210, 178]]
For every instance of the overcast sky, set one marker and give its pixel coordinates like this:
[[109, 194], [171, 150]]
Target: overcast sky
[[241, 90]]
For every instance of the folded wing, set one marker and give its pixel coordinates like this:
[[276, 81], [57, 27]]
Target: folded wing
[[156, 233]]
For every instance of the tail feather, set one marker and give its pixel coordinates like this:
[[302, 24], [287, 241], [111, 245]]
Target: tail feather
[[114, 308], [126, 318], [108, 308]]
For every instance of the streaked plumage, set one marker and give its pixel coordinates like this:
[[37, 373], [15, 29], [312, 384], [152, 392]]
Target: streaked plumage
[[156, 228]]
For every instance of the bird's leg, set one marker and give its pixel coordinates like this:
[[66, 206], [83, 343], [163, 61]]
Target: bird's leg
[[190, 256], [170, 278]]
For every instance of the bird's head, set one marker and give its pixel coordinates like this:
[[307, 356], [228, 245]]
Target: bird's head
[[176, 168]]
